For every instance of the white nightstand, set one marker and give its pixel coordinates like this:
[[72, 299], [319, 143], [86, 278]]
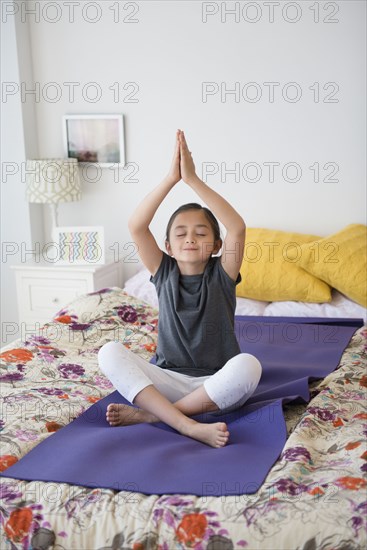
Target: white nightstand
[[44, 288]]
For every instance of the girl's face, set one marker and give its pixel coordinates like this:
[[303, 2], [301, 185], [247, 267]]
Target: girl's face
[[191, 241]]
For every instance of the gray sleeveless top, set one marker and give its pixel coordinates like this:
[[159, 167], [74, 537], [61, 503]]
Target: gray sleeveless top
[[196, 318]]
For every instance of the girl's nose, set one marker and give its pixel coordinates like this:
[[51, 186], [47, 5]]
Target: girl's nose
[[190, 240]]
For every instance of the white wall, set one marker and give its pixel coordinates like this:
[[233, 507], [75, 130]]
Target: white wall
[[21, 223], [169, 52]]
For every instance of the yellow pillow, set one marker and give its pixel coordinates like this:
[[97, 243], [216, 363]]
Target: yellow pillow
[[341, 261], [270, 270]]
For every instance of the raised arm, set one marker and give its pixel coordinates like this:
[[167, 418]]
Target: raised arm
[[234, 242], [148, 249]]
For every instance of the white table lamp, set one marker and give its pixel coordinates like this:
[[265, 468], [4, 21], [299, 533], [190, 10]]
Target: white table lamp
[[52, 181]]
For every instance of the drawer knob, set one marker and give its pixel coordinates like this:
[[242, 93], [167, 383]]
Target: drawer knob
[[55, 300]]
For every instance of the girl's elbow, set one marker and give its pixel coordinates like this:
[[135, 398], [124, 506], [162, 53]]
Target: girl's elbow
[[241, 231], [133, 225], [242, 226], [137, 230]]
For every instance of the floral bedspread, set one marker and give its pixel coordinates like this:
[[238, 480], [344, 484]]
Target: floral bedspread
[[313, 498]]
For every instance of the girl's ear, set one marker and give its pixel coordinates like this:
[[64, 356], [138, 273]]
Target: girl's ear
[[217, 246], [168, 248]]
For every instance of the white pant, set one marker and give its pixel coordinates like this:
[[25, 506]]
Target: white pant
[[229, 388]]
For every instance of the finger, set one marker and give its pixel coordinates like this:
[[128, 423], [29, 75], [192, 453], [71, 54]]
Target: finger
[[177, 157], [187, 149], [183, 142], [177, 145]]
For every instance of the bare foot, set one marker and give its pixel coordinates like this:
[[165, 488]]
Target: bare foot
[[216, 435], [126, 415]]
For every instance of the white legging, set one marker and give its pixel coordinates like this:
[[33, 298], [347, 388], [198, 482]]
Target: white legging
[[229, 388]]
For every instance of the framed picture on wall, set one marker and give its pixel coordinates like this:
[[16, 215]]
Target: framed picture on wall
[[96, 139], [79, 245]]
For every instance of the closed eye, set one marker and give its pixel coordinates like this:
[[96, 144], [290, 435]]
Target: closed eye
[[184, 234]]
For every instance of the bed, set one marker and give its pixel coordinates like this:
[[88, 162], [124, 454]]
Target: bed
[[313, 497]]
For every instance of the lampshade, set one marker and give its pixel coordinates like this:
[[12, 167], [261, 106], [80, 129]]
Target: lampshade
[[53, 180]]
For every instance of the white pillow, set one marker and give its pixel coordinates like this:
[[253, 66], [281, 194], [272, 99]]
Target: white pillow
[[247, 306], [340, 306], [140, 286]]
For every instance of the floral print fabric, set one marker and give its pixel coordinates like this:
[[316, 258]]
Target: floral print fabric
[[313, 497]]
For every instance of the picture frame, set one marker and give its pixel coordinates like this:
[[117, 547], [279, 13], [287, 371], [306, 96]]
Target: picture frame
[[80, 245], [95, 139]]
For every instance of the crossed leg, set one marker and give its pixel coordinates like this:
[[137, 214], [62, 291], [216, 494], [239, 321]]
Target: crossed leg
[[196, 402], [130, 376], [155, 407]]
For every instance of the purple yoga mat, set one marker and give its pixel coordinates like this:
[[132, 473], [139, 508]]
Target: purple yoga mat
[[155, 459]]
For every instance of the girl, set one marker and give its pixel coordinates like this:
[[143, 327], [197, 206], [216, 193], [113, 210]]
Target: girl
[[199, 367]]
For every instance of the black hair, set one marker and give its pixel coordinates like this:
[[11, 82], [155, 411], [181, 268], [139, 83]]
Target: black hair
[[195, 206]]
